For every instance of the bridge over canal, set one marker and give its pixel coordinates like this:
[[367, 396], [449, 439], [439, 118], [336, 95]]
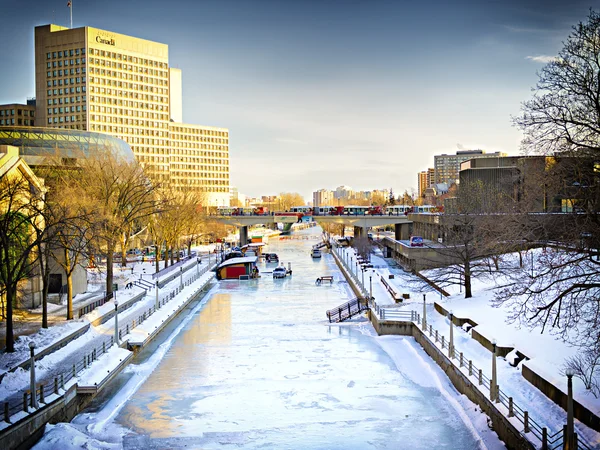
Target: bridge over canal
[[402, 224]]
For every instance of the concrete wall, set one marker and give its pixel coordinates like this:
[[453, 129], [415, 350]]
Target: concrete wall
[[580, 412], [501, 425]]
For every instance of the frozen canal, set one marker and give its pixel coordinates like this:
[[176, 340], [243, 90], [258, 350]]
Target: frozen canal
[[258, 366]]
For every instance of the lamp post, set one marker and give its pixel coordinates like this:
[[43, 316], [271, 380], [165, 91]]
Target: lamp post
[[156, 302], [424, 321], [116, 322], [180, 277], [198, 266], [451, 344], [493, 380], [569, 438], [370, 286], [34, 402]]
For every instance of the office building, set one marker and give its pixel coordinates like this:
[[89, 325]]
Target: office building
[[447, 167], [100, 81], [17, 115]]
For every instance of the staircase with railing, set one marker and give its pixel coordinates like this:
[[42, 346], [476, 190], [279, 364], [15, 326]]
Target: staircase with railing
[[346, 311]]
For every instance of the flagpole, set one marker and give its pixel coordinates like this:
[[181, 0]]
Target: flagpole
[[71, 10]]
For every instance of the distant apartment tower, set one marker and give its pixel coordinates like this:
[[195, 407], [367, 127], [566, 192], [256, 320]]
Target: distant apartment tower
[[430, 176], [97, 80], [447, 167], [323, 197], [343, 192], [17, 115], [425, 179]]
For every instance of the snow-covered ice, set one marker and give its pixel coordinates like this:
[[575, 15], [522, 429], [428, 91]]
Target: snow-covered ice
[[259, 366]]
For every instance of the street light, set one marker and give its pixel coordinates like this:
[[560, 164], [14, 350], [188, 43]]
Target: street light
[[570, 438], [424, 322], [116, 322], [156, 302], [493, 380], [34, 402], [451, 345]]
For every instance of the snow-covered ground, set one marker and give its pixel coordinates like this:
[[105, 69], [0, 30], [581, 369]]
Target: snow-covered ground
[[60, 360], [258, 366], [237, 372]]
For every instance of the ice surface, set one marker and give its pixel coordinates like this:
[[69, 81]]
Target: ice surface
[[259, 366]]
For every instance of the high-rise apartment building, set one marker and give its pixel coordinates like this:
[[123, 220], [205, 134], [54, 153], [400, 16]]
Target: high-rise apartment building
[[447, 167], [323, 197], [422, 183], [96, 80]]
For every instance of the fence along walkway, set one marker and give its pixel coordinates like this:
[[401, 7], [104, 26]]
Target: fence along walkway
[[23, 403], [549, 439]]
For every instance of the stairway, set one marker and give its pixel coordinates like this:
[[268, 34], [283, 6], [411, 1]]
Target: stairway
[[346, 311]]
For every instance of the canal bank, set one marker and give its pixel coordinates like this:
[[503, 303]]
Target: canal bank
[[74, 392], [257, 366]]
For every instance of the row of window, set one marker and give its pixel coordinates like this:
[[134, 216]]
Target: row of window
[[130, 94], [128, 103], [119, 130], [66, 81], [66, 72], [121, 112], [201, 158], [196, 153], [123, 69], [65, 53], [63, 119], [184, 139], [67, 91], [65, 63], [142, 86], [62, 110], [128, 58], [65, 100], [191, 131], [20, 112]]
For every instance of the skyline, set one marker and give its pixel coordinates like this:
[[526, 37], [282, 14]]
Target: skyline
[[322, 94]]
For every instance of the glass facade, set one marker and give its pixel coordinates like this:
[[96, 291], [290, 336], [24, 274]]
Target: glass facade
[[37, 143]]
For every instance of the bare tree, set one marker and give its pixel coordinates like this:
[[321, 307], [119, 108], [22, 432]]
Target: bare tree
[[286, 201], [121, 195], [22, 202], [465, 240]]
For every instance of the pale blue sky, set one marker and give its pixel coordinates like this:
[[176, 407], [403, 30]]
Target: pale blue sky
[[321, 93]]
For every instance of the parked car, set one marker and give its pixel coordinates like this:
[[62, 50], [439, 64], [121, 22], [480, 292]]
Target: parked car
[[279, 272], [416, 241], [271, 257]]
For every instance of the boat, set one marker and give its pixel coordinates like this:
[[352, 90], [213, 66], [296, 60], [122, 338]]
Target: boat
[[315, 253], [237, 269]]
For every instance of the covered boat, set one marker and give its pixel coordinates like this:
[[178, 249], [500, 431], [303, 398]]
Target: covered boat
[[238, 268]]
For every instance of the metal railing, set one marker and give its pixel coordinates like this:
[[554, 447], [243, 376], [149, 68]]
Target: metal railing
[[169, 269], [95, 304], [26, 401], [550, 439]]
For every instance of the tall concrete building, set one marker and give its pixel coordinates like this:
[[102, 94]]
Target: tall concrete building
[[447, 167], [97, 80], [323, 197], [422, 183], [17, 115]]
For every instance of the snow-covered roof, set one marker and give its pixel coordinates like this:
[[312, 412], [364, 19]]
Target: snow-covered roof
[[242, 260]]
